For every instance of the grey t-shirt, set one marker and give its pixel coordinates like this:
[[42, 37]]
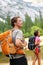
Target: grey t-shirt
[[17, 34]]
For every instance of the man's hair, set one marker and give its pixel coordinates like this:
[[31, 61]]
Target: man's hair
[[14, 20], [36, 33]]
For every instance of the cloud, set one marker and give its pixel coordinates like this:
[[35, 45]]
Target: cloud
[[34, 1], [28, 0], [2, 20]]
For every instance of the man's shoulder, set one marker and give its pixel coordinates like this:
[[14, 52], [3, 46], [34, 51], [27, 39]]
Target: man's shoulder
[[17, 30]]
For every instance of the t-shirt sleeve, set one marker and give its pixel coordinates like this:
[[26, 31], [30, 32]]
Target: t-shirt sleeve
[[37, 39], [19, 35]]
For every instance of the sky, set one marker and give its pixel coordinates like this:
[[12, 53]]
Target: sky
[[34, 1]]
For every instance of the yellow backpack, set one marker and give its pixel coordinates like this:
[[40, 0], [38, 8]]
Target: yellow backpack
[[8, 46]]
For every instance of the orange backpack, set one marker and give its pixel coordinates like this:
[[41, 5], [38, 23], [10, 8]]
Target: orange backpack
[[8, 47]]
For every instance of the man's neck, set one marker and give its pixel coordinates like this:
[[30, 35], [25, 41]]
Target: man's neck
[[16, 27]]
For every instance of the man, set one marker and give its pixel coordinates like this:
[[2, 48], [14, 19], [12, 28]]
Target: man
[[19, 42]]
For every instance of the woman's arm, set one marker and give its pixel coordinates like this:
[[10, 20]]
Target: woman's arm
[[37, 41]]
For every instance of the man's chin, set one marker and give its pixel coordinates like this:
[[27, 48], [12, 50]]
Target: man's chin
[[20, 26]]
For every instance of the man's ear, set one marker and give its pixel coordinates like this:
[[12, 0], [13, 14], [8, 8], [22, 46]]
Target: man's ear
[[14, 23]]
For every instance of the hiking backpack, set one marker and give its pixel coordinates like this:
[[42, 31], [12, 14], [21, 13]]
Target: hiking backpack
[[8, 47], [31, 43]]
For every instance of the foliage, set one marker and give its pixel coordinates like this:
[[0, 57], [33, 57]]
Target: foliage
[[27, 23], [35, 28], [29, 26]]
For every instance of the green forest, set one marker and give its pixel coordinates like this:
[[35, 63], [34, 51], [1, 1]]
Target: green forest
[[29, 26]]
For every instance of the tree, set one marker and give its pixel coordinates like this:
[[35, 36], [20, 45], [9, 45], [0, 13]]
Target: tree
[[41, 19], [2, 26], [7, 23], [37, 22], [27, 24], [36, 28]]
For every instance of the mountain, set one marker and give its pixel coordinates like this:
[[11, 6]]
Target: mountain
[[19, 7]]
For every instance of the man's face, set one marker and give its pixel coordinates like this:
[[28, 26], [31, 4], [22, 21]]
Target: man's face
[[19, 22]]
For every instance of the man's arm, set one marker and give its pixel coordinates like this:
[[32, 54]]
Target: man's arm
[[20, 43]]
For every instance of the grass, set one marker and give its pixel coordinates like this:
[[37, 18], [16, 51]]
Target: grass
[[30, 53], [4, 59]]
